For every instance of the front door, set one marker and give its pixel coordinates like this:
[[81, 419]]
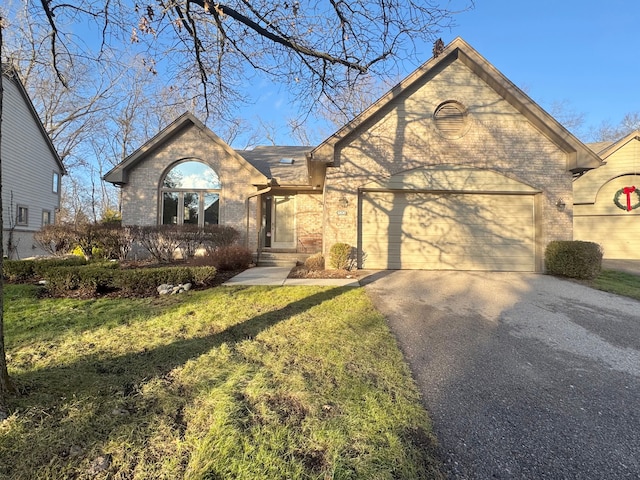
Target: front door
[[283, 232]]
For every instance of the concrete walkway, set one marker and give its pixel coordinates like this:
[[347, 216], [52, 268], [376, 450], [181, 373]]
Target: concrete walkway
[[278, 276]]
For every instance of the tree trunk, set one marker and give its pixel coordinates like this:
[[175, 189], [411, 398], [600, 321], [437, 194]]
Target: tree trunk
[[5, 381]]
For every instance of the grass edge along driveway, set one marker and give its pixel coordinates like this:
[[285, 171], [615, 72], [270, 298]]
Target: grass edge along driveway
[[232, 382]]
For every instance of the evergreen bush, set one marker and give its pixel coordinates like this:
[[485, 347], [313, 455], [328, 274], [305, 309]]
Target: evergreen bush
[[573, 259], [340, 256]]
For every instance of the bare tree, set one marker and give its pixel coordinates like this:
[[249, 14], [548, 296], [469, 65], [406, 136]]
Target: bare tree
[[318, 48], [570, 118], [608, 132]]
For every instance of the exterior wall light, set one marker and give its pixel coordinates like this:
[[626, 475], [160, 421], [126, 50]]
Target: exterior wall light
[[561, 205], [343, 202]]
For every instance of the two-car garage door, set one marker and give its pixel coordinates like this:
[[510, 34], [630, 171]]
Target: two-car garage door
[[447, 231]]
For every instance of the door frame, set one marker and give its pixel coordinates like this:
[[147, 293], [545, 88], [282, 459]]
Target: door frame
[[276, 218]]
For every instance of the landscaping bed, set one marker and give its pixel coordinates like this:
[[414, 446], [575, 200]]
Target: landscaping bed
[[300, 271]]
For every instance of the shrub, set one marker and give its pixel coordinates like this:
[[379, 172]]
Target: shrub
[[55, 239], [86, 237], [98, 278], [85, 280], [114, 240], [218, 236], [18, 271], [161, 241], [573, 259], [203, 276], [192, 238], [231, 257], [314, 262], [146, 280], [340, 256]]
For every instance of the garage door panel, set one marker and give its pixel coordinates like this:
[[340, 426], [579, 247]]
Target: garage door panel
[[447, 231], [407, 250]]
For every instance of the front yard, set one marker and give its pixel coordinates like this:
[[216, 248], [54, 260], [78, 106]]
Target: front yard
[[230, 382]]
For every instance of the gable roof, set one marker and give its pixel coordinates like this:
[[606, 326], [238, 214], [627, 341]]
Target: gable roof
[[608, 148], [598, 147], [587, 186], [268, 160], [119, 175], [579, 156], [11, 74]]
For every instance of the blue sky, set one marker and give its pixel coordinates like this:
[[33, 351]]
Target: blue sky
[[584, 53]]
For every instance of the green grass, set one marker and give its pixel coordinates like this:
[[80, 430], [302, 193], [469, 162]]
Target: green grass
[[228, 383], [621, 283]]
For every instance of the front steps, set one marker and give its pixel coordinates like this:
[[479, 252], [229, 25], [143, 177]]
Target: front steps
[[281, 259]]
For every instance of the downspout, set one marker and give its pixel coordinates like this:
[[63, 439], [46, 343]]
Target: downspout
[[254, 194]]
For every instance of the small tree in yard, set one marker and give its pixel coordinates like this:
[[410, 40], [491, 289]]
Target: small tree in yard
[[54, 239]]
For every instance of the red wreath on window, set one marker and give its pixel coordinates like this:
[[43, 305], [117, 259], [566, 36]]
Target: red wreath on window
[[627, 191]]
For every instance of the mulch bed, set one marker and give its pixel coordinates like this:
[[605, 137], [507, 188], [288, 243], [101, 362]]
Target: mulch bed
[[302, 272]]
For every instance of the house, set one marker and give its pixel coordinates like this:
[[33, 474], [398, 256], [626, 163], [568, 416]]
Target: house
[[454, 168], [31, 171], [607, 199]]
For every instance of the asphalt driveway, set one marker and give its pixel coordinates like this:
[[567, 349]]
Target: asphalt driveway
[[524, 375]]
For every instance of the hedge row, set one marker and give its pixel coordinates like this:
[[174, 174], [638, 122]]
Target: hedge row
[[22, 271], [101, 278], [114, 241]]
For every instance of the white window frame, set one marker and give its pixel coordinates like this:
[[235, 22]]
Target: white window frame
[[55, 183]]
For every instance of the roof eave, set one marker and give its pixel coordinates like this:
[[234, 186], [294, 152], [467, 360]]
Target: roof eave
[[119, 174], [618, 144], [11, 73]]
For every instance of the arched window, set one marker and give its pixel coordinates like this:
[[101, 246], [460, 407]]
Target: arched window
[[190, 195]]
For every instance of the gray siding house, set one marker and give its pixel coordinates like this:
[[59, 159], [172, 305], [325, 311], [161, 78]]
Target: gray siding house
[[31, 171]]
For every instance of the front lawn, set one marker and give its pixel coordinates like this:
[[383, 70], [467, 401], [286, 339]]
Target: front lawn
[[226, 383], [621, 283]]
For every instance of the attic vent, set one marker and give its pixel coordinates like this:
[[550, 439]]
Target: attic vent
[[287, 161], [451, 119]]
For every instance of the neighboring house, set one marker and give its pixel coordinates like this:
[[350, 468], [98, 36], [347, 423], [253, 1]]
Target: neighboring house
[[454, 168], [604, 212], [31, 171]]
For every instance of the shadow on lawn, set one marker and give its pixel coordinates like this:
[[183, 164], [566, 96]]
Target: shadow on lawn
[[157, 362], [102, 395]]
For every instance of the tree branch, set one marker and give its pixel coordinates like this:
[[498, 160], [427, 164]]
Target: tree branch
[[54, 35], [281, 39]]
